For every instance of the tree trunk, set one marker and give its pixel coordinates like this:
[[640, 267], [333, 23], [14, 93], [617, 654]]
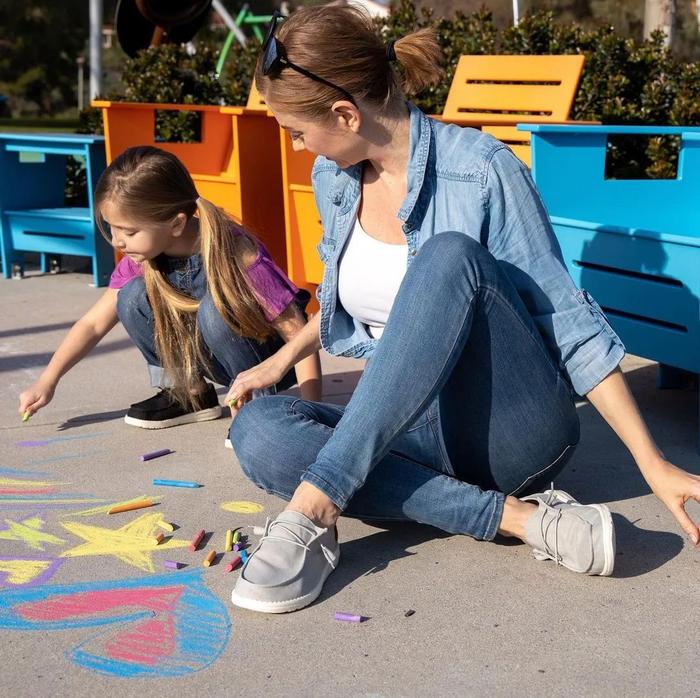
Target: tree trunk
[[659, 14]]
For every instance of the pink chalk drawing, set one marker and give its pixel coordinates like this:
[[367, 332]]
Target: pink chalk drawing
[[162, 627]]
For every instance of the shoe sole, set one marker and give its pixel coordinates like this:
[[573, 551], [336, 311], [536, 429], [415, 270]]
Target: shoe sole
[[608, 542], [282, 606], [191, 417]]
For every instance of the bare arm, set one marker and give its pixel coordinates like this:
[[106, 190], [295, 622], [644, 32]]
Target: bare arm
[[673, 486], [79, 341], [308, 368]]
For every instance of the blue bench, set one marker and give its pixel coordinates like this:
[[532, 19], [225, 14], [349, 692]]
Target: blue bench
[[33, 217], [633, 244]]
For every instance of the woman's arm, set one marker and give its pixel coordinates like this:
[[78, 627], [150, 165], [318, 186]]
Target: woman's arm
[[79, 341], [673, 486], [305, 343]]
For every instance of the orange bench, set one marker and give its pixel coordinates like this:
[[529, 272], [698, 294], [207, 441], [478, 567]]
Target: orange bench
[[495, 93], [237, 163]]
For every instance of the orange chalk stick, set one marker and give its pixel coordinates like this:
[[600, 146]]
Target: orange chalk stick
[[209, 558], [158, 539], [140, 504], [196, 541]]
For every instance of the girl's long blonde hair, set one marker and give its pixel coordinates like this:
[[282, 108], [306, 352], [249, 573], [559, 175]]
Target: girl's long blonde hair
[[152, 186]]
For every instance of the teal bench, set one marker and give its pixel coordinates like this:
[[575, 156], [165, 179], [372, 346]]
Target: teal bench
[[33, 217], [633, 244]]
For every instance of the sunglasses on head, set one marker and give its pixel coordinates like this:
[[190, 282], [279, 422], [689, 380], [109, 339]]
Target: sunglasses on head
[[275, 59]]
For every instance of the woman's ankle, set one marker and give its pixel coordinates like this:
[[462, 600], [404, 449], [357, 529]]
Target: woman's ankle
[[515, 515], [314, 504]]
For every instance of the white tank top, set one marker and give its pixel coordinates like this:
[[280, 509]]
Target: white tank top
[[369, 277]]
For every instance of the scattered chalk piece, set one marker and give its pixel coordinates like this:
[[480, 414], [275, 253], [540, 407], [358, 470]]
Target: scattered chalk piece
[[131, 506], [233, 564], [155, 454], [176, 483], [229, 541], [237, 537], [172, 565], [197, 540], [158, 538], [244, 556], [409, 613], [165, 526], [348, 617], [209, 558]]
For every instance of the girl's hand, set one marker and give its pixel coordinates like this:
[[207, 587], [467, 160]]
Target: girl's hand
[[265, 374], [35, 397], [674, 487]]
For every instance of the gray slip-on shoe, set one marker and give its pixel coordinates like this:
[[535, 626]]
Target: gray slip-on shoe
[[580, 537], [288, 567]]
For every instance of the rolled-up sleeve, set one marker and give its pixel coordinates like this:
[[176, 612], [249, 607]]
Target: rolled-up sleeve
[[517, 231]]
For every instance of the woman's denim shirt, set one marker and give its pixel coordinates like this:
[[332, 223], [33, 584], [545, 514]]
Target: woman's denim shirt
[[463, 180]]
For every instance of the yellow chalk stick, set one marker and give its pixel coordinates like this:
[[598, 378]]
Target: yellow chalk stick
[[209, 558], [237, 537], [165, 526], [26, 416], [229, 541]]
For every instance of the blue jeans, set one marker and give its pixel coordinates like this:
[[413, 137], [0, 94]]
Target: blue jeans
[[227, 353], [460, 405]]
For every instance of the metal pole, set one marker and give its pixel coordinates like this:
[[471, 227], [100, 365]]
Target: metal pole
[[516, 13], [95, 48], [229, 21], [81, 82]]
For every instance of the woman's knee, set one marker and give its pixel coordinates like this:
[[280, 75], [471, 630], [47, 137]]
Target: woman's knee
[[132, 302], [444, 250]]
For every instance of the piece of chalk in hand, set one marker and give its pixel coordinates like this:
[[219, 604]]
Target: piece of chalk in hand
[[26, 416]]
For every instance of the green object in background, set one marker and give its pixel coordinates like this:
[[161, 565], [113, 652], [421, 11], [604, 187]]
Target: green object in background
[[245, 18]]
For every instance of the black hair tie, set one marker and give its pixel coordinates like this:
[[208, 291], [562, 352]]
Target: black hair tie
[[390, 52]]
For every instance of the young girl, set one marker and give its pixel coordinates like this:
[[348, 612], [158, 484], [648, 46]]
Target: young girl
[[442, 268], [198, 295]]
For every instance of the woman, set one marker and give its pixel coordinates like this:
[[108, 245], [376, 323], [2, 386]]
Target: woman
[[442, 269]]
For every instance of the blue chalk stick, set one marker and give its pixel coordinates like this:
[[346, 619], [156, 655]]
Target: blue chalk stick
[[176, 483]]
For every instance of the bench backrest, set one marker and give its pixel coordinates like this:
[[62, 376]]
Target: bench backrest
[[513, 89]]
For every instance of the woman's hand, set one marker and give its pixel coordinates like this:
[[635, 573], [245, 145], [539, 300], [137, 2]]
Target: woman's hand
[[674, 487], [35, 397], [265, 374]]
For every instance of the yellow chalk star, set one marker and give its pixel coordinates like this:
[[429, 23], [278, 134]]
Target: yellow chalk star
[[132, 543], [29, 531]]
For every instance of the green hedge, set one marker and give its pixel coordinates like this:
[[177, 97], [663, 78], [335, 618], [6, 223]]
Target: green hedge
[[623, 82]]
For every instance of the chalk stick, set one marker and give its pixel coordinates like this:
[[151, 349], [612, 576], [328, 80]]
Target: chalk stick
[[176, 483], [155, 454], [237, 537], [348, 617], [236, 548], [229, 541], [158, 538], [233, 564], [209, 558], [196, 541], [26, 416], [140, 504], [165, 526], [172, 565], [244, 556]]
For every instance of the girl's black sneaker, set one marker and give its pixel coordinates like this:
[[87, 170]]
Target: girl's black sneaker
[[163, 410]]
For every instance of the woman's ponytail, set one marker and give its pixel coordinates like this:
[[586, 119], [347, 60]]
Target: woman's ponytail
[[420, 56]]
